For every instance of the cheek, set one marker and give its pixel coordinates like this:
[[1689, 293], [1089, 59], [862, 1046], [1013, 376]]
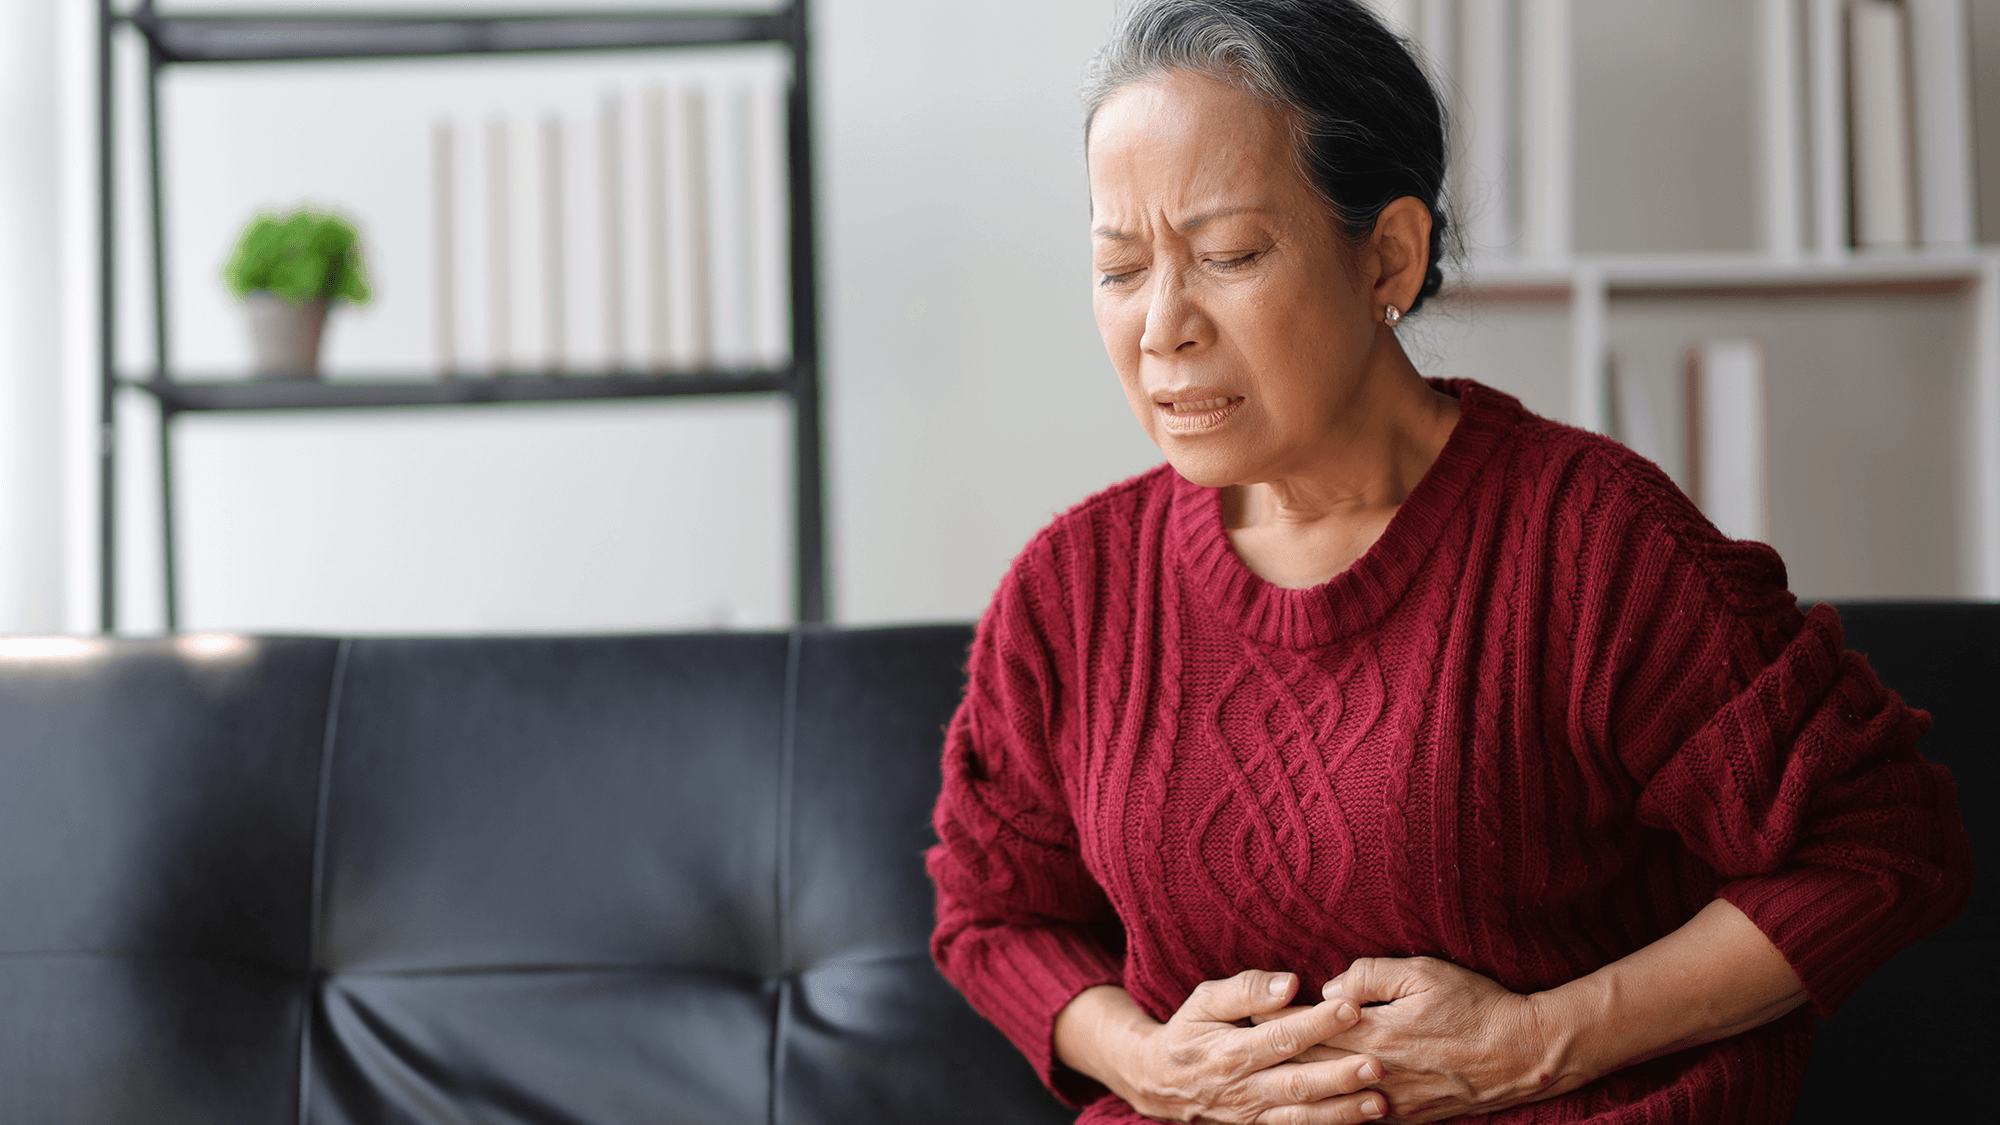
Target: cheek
[[1121, 323]]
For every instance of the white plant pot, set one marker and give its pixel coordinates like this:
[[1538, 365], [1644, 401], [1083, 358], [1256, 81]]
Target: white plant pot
[[284, 337]]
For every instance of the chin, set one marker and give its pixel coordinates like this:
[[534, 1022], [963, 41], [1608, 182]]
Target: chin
[[1204, 468]]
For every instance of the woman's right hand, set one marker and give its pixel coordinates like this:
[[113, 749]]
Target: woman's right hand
[[1202, 1065]]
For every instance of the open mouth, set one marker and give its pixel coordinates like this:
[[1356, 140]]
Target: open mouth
[[1196, 415]]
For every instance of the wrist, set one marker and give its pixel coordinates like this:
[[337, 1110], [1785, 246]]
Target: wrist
[[1567, 1039], [1098, 1034]]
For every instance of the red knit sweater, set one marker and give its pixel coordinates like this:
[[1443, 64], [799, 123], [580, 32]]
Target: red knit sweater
[[1546, 718]]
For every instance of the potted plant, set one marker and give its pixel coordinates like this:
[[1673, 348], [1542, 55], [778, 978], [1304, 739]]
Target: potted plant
[[288, 270]]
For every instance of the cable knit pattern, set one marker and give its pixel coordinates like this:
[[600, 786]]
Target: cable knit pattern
[[1545, 719]]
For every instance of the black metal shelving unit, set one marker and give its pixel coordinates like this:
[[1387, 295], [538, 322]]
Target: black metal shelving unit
[[187, 38]]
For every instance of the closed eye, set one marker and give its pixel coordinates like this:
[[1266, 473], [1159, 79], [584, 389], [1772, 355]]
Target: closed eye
[[1110, 279], [1234, 263]]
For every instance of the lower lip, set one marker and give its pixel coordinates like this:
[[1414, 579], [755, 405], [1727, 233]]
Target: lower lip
[[1183, 425]]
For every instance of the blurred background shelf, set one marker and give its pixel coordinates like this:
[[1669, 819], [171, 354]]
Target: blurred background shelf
[[777, 358], [177, 395], [182, 37], [1747, 274]]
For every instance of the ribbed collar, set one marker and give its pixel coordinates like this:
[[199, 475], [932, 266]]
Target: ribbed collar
[[1359, 596]]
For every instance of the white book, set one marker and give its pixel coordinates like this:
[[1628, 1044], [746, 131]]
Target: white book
[[1547, 128], [689, 276], [1437, 34], [1485, 184], [528, 334], [584, 285], [497, 211], [1634, 422], [731, 282], [1729, 436], [1780, 128], [444, 247], [1879, 94], [611, 228], [1826, 71], [655, 106], [770, 227], [1941, 97], [551, 221]]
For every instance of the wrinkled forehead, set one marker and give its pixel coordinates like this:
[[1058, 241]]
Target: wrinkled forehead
[[1184, 141]]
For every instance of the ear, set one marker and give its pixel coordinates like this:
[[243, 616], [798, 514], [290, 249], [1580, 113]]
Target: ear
[[1400, 249]]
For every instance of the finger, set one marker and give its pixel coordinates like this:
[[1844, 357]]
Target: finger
[[1349, 1109], [1323, 1052], [1265, 1017], [1286, 1036], [1297, 1083], [1370, 980], [1247, 994]]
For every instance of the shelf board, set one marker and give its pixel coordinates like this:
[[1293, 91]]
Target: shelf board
[[177, 396], [1725, 275], [227, 37]]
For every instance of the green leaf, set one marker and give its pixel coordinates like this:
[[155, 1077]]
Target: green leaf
[[301, 256]]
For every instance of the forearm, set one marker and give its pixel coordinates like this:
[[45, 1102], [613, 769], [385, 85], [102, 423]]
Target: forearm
[[1716, 976]]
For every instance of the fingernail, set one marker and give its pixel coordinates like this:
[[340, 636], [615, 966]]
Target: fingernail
[[1346, 1011], [1370, 1072], [1372, 1108], [1281, 984]]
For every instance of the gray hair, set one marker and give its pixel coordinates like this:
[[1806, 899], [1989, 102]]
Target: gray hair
[[1153, 36], [1368, 126]]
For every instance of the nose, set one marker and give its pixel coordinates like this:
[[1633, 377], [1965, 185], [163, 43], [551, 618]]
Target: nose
[[1176, 324]]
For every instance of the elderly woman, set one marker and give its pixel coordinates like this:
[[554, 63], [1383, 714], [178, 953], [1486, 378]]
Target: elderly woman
[[1392, 752]]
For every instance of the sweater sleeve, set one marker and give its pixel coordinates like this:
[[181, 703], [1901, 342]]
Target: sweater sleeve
[[1774, 754], [1022, 926]]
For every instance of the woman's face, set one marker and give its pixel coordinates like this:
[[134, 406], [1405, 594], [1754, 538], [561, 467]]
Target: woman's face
[[1238, 320]]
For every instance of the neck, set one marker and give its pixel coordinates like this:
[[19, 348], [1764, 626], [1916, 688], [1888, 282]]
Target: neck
[[1381, 446]]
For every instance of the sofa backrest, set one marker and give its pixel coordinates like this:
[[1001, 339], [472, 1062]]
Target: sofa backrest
[[1916, 1039], [663, 879]]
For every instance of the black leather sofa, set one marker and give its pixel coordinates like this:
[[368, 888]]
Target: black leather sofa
[[582, 881]]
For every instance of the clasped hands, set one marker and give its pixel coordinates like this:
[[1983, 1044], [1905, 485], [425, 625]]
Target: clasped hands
[[1394, 1039]]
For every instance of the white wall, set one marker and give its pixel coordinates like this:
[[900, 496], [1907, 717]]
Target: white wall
[[31, 530], [967, 396], [971, 397]]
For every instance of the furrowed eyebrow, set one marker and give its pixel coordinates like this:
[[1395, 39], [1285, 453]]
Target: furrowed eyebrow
[[1224, 213], [1116, 235]]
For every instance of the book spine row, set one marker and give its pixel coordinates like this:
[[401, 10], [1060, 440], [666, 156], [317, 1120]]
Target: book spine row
[[1863, 127], [650, 237]]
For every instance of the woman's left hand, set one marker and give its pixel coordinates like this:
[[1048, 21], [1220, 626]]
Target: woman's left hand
[[1451, 1041]]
